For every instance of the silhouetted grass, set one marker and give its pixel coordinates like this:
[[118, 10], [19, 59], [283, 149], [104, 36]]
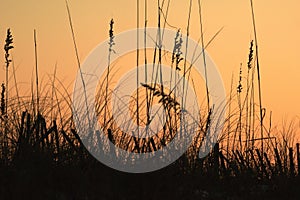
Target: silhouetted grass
[[42, 155]]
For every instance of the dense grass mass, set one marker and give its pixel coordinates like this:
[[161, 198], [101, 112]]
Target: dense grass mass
[[42, 153]]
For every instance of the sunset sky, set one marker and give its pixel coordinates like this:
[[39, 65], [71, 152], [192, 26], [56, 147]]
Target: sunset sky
[[278, 29]]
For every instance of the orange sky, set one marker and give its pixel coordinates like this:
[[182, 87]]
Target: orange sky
[[277, 25]]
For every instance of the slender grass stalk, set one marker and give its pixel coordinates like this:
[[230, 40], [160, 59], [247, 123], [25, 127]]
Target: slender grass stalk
[[252, 107], [186, 50], [33, 108], [7, 47], [2, 100], [137, 64], [146, 67], [111, 44], [78, 63], [16, 84], [177, 57], [36, 74], [204, 57], [154, 75], [53, 92], [160, 61], [248, 98], [229, 112], [239, 91], [258, 77], [165, 16]]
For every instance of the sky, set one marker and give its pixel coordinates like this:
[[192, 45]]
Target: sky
[[278, 33]]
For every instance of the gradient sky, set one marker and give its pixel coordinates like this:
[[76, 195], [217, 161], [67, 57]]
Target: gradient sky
[[278, 27]]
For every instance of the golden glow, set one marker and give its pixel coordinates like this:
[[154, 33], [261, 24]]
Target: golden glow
[[277, 25]]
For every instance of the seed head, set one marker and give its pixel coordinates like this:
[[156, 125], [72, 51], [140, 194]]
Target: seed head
[[250, 58], [111, 35], [2, 99], [8, 46]]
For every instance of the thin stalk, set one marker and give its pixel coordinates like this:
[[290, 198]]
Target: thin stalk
[[32, 94], [165, 16], [16, 84], [78, 62], [137, 64], [252, 106], [6, 91], [159, 63], [248, 97], [7, 47], [186, 50], [111, 43], [248, 119], [203, 54], [36, 74], [258, 77], [53, 92], [146, 67], [239, 127], [229, 111]]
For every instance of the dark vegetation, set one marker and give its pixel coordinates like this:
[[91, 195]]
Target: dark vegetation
[[45, 161]]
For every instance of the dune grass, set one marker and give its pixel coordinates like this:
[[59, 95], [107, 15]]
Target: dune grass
[[38, 135]]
